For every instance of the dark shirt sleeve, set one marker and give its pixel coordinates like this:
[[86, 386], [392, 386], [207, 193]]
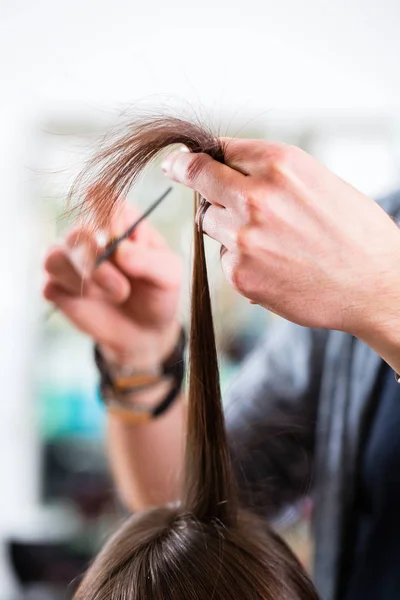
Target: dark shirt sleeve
[[271, 411]]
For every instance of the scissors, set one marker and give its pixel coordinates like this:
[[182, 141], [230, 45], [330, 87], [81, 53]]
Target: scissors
[[114, 243]]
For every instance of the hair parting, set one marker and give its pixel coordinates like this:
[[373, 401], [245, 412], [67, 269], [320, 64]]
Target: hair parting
[[207, 546]]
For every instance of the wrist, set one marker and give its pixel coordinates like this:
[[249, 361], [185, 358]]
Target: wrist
[[132, 395], [147, 351], [384, 339], [148, 397], [378, 322]]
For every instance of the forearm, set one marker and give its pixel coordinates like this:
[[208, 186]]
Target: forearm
[[146, 459]]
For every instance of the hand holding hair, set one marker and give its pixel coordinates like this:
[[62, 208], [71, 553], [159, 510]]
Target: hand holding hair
[[206, 545], [300, 241]]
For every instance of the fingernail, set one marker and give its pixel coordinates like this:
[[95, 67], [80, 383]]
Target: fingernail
[[171, 161], [166, 163]]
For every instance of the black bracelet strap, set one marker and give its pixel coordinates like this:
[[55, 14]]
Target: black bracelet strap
[[173, 367]]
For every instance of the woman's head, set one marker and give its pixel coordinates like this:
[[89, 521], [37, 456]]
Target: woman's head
[[165, 554], [206, 546]]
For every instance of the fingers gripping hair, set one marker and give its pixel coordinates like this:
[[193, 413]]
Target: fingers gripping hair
[[206, 546]]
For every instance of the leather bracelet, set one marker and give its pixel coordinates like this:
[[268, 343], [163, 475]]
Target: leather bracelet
[[113, 390], [136, 414]]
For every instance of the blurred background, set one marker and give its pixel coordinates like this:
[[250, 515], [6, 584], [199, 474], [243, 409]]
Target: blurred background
[[322, 75]]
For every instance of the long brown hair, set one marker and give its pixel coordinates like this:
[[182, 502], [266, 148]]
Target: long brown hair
[[206, 547]]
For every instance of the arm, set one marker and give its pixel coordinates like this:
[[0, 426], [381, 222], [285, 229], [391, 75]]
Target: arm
[[270, 416], [130, 308], [298, 240], [135, 322], [146, 459]]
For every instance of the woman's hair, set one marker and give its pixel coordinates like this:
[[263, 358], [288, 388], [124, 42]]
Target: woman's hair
[[206, 547]]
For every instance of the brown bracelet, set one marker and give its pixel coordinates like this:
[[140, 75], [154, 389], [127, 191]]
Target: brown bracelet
[[136, 413], [113, 390]]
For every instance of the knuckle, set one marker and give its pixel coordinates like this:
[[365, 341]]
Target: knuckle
[[278, 151], [254, 202], [248, 239], [242, 239], [279, 161], [239, 279], [79, 236], [74, 236], [53, 259]]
